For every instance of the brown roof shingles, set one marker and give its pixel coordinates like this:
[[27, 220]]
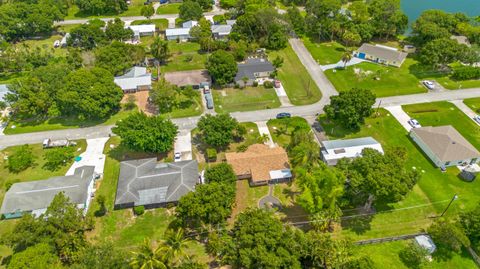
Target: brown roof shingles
[[258, 160]]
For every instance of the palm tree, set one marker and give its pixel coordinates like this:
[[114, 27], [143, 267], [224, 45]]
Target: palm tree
[[146, 258], [305, 154], [346, 57], [159, 50], [175, 243]]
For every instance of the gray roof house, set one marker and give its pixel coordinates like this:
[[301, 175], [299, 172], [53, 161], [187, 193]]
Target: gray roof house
[[445, 146], [252, 69], [152, 184], [381, 54], [35, 196], [136, 79], [221, 31]]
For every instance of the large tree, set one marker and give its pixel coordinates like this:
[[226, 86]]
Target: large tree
[[89, 94], [448, 236], [441, 52], [219, 130], [387, 18], [470, 222], [116, 30], [39, 256], [190, 10], [220, 173], [350, 108], [159, 49], [99, 7], [87, 36], [167, 97], [146, 133], [222, 67], [147, 11], [376, 176], [118, 57]]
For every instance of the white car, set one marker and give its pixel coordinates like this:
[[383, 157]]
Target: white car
[[177, 156], [477, 119], [429, 84], [414, 123]]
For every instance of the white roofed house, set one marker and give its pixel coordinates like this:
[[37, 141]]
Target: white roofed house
[[221, 31], [136, 79], [381, 54], [142, 30], [334, 150], [181, 34]]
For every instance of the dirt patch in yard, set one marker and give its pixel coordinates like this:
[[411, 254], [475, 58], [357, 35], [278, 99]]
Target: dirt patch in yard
[[141, 100]]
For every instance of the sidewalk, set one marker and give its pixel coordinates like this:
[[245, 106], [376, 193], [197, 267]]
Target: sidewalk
[[400, 115], [93, 155], [465, 109]]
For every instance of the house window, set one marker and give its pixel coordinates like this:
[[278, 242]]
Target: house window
[[338, 151], [447, 163]]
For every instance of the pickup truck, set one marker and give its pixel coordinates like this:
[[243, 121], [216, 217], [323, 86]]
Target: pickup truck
[[49, 143]]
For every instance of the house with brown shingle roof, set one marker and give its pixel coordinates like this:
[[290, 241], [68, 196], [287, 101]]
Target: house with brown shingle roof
[[445, 146], [261, 164]]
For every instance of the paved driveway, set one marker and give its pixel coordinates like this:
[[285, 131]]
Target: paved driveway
[[400, 115], [183, 144], [465, 109], [263, 130], [93, 155], [282, 96]]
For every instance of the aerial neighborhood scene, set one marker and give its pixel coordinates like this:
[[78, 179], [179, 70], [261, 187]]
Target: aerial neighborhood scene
[[195, 134]]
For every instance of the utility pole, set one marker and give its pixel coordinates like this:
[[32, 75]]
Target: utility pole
[[455, 197], [379, 104]]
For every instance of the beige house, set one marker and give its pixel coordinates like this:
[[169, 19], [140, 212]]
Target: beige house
[[261, 164], [461, 39], [445, 146], [381, 54]]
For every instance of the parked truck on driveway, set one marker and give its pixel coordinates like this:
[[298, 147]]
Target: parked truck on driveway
[[49, 143]]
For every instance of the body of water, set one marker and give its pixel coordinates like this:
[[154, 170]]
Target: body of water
[[413, 8]]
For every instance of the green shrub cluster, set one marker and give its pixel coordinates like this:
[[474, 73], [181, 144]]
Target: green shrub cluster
[[466, 73]]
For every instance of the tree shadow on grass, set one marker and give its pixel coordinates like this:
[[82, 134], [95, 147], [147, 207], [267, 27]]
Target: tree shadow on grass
[[357, 224], [122, 153], [421, 71]]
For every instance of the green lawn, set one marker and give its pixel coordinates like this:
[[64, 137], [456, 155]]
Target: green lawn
[[168, 8], [133, 10], [298, 84], [160, 24], [120, 226], [382, 80], [281, 129], [35, 172], [61, 123], [429, 197], [246, 99], [194, 110], [386, 255], [445, 113], [46, 43], [184, 56], [473, 103], [325, 52]]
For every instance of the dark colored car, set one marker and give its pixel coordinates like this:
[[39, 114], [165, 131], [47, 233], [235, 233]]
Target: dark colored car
[[283, 115]]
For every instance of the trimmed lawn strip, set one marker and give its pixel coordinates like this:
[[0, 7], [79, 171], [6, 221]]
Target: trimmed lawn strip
[[386, 255], [392, 80], [195, 109], [184, 56], [133, 10], [168, 8], [62, 123], [246, 99], [428, 198], [445, 113], [281, 129], [325, 52], [296, 80], [473, 104], [160, 24]]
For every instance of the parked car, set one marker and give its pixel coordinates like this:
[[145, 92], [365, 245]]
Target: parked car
[[477, 119], [429, 84], [414, 123], [283, 115], [177, 156], [277, 84]]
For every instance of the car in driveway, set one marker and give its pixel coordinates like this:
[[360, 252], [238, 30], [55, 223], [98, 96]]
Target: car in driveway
[[283, 115], [177, 157], [414, 123], [429, 84], [477, 119]]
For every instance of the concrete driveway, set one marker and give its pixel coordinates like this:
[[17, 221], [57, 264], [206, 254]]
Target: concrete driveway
[[400, 115], [93, 155], [183, 144], [282, 96], [465, 109], [263, 130]]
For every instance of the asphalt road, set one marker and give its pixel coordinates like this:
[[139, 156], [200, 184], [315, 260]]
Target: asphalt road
[[260, 115]]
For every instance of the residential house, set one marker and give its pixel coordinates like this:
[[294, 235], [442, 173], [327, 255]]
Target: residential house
[[142, 30], [3, 91], [151, 184], [193, 78], [381, 54], [136, 79], [189, 24], [182, 34], [253, 69], [461, 39], [260, 164], [445, 146], [34, 197], [334, 150], [221, 31]]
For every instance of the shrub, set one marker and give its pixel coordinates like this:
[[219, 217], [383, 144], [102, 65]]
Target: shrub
[[9, 184], [139, 210], [466, 73], [20, 159], [255, 83], [413, 256], [211, 154], [130, 104], [220, 173], [236, 86], [242, 148], [268, 84], [57, 157]]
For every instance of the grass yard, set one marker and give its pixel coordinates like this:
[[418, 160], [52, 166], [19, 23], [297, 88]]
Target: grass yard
[[35, 172], [168, 8], [428, 198], [61, 123], [121, 226], [298, 84], [325, 52], [133, 10], [246, 99], [386, 255], [46, 43], [184, 56], [392, 80], [194, 110], [246, 197], [160, 24], [281, 129], [473, 103], [445, 113]]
